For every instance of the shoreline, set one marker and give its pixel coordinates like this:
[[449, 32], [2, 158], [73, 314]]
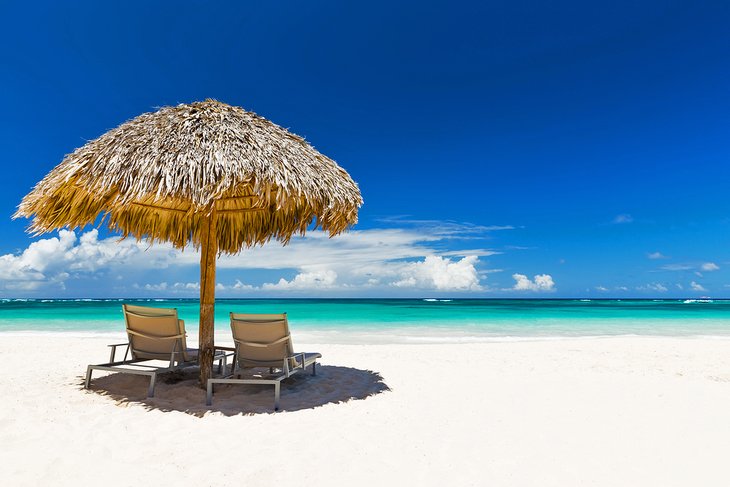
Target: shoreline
[[383, 338]]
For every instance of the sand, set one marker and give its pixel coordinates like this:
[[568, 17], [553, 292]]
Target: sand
[[629, 411]]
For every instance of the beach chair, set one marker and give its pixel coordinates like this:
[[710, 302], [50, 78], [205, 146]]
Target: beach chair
[[154, 334], [263, 342]]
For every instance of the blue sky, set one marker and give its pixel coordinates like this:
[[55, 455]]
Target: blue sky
[[502, 148]]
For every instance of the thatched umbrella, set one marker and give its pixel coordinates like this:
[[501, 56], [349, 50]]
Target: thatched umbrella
[[204, 173]]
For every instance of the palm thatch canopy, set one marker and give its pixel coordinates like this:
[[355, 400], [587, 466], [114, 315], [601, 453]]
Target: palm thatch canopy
[[160, 174], [207, 174]]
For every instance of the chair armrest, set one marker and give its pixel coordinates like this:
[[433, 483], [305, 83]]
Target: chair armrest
[[114, 346], [294, 357], [228, 349]]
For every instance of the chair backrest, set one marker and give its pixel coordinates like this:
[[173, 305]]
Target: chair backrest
[[262, 340], [155, 333]]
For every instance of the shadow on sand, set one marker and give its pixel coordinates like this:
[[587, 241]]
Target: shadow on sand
[[179, 391]]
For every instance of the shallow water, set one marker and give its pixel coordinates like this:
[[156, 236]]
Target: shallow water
[[400, 320]]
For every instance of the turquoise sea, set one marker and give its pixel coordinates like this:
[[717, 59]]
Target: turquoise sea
[[397, 320]]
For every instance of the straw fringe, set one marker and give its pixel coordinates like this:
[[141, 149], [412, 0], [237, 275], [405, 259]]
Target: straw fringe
[[155, 176]]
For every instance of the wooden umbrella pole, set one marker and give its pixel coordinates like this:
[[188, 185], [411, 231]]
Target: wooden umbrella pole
[[208, 255]]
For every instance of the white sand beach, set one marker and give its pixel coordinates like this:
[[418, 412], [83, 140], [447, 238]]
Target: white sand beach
[[626, 411]]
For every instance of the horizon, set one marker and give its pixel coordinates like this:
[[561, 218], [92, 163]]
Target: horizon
[[702, 299], [563, 151]]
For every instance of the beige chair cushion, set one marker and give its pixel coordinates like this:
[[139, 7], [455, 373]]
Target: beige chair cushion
[[263, 339], [155, 332]]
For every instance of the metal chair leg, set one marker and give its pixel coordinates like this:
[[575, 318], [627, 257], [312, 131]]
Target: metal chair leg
[[151, 389], [277, 391]]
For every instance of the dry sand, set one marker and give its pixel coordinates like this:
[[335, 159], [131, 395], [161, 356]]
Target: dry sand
[[602, 412]]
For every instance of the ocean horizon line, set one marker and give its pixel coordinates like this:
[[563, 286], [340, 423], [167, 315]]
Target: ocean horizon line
[[366, 298]]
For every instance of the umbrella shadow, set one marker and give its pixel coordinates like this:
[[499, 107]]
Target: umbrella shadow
[[179, 391]]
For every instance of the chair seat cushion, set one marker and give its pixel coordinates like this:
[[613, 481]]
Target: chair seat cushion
[[309, 357], [192, 354]]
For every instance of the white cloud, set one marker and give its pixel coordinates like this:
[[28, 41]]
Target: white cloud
[[48, 264], [491, 271], [365, 259], [156, 287], [445, 228], [35, 267], [236, 286], [164, 286], [187, 286], [432, 273], [696, 286], [696, 268], [356, 250], [43, 263], [623, 218], [440, 273], [541, 282], [605, 289], [677, 267], [190, 288], [321, 279], [654, 286], [656, 255]]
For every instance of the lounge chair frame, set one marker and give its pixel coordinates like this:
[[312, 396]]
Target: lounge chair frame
[[178, 356], [291, 364]]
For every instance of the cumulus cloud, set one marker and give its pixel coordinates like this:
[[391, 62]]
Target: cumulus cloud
[[360, 249], [50, 263], [432, 273], [35, 267], [656, 255], [385, 259], [697, 286], [654, 287], [319, 279], [709, 266], [237, 286], [46, 261], [604, 289], [541, 282], [440, 273], [164, 286], [190, 288]]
